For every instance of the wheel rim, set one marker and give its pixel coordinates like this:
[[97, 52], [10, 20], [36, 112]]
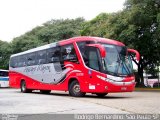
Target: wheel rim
[[76, 88]]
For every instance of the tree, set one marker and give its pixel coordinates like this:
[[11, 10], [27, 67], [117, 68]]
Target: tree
[[144, 17], [4, 54], [55, 30], [97, 26], [51, 31], [138, 26]]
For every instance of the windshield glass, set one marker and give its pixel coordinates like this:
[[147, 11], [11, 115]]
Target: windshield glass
[[117, 62]]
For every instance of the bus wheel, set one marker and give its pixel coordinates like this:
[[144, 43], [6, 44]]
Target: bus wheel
[[74, 89], [101, 94], [24, 87], [45, 91]]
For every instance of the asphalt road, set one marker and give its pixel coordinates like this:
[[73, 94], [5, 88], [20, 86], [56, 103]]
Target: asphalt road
[[12, 101]]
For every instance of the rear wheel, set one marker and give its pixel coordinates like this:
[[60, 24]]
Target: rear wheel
[[24, 87], [74, 89], [101, 94], [45, 91]]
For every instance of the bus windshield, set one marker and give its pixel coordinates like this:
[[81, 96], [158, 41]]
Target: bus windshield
[[117, 62]]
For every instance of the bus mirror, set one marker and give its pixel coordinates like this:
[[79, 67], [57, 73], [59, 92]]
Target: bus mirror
[[100, 47], [135, 52]]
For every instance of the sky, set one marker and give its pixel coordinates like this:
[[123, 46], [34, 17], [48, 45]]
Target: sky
[[19, 16]]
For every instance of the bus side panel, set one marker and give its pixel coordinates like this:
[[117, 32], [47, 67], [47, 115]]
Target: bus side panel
[[15, 80]]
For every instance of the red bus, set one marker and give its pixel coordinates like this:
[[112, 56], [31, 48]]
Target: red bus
[[79, 65]]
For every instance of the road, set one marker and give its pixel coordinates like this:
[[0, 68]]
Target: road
[[12, 101]]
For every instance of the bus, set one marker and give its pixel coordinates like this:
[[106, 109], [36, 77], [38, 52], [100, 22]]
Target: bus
[[4, 78], [79, 65]]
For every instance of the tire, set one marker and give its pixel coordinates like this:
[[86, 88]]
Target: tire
[[24, 87], [45, 91], [74, 89], [101, 95]]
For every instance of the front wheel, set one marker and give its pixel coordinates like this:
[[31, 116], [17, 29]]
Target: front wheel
[[24, 87], [101, 94], [74, 89]]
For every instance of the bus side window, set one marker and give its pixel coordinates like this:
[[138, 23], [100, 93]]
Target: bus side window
[[22, 61], [31, 57], [69, 53], [14, 62], [53, 55], [41, 57]]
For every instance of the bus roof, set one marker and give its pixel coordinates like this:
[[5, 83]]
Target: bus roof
[[89, 38], [36, 49], [3, 70], [71, 40]]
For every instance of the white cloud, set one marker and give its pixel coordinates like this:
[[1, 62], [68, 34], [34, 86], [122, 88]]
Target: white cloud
[[20, 16]]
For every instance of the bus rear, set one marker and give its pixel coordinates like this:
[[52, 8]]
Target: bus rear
[[4, 78]]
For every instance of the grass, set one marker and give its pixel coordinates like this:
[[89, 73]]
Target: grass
[[147, 89]]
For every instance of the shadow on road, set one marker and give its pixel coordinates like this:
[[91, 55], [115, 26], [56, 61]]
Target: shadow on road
[[66, 94], [5, 88], [86, 96]]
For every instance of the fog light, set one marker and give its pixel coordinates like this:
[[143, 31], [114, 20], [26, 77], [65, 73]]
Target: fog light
[[106, 87]]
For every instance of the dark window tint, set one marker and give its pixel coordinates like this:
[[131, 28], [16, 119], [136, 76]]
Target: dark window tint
[[53, 55], [3, 73], [14, 62], [41, 57], [82, 45], [68, 53], [31, 59], [22, 61]]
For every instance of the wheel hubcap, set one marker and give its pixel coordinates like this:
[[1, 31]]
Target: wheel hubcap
[[76, 88]]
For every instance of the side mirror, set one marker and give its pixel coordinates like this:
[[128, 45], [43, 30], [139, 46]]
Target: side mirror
[[135, 52], [100, 47]]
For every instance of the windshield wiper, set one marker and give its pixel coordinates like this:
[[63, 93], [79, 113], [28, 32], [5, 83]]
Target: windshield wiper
[[119, 61]]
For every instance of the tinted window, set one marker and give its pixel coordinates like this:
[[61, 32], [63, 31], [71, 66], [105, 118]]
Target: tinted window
[[3, 73], [41, 57], [68, 53], [22, 61], [53, 55], [14, 62], [31, 59], [82, 45]]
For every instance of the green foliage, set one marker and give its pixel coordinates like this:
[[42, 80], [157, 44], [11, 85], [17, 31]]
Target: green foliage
[[97, 26], [56, 30], [51, 31], [138, 26], [4, 54]]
